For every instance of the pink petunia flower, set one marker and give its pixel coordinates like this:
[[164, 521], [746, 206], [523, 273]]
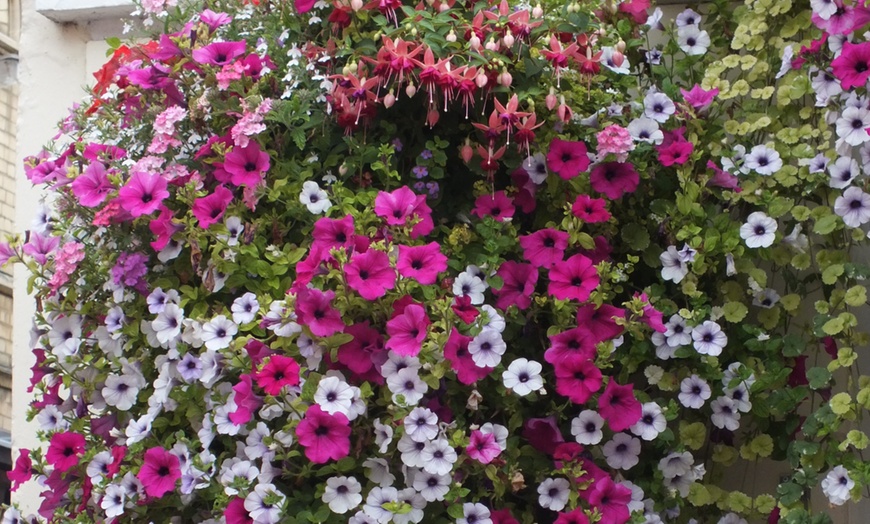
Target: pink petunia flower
[[852, 67], [407, 330], [519, 284], [482, 447], [577, 516], [651, 316], [278, 372], [674, 149], [614, 179], [600, 323], [23, 470], [163, 228], [314, 309], [370, 274], [159, 473], [464, 309], [577, 378], [497, 205], [209, 209], [219, 53], [618, 406], [402, 206], [330, 232], [247, 402], [456, 352], [722, 178], [573, 343], [235, 513], [40, 247], [611, 500], [366, 348], [422, 263], [573, 279], [543, 434], [502, 516], [142, 194], [325, 437], [590, 210], [698, 97], [544, 247], [567, 159], [92, 186], [247, 165]]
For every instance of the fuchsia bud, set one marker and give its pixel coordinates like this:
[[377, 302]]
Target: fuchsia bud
[[474, 43], [411, 90], [564, 112], [492, 45], [356, 5], [505, 79], [551, 99], [537, 12], [481, 79], [508, 39], [389, 99], [466, 151]]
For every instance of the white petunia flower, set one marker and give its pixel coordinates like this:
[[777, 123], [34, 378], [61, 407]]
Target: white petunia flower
[[261, 511], [785, 66], [523, 376], [190, 367], [334, 395], [674, 268], [245, 308], [421, 425], [342, 494], [468, 285], [658, 106], [854, 206], [237, 474], [824, 8], [487, 348], [826, 86], [378, 471], [407, 383], [618, 65], [383, 435], [763, 160], [218, 332], [377, 499], [687, 17], [498, 431], [725, 414], [622, 451], [740, 396], [234, 229], [536, 167], [709, 339], [843, 172], [474, 513], [731, 518], [677, 332], [417, 503], [694, 392], [314, 198], [852, 125], [494, 320], [120, 391], [553, 493], [652, 422], [586, 427], [759, 230], [431, 486], [65, 334], [168, 323], [113, 500], [692, 40], [438, 457], [837, 486], [51, 419], [412, 451], [766, 298], [676, 464], [645, 129]]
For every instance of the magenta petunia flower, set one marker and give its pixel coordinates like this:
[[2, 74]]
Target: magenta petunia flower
[[235, 513], [614, 179], [698, 97], [722, 178], [456, 352], [23, 470], [209, 209], [92, 186], [100, 153], [143, 193], [611, 500], [618, 406], [567, 159], [247, 402], [159, 473], [482, 447], [651, 316], [573, 279], [519, 284], [219, 53], [325, 437], [303, 6], [852, 67], [590, 210], [497, 205], [577, 516], [544, 247], [543, 434], [675, 152], [330, 232], [314, 309], [577, 378], [40, 247], [502, 516], [163, 228], [370, 274], [464, 309], [278, 372], [396, 207], [361, 353], [600, 323], [247, 165], [422, 263], [407, 330], [573, 343]]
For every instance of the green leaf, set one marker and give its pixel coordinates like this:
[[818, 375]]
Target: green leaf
[[833, 326], [818, 377], [826, 224], [636, 236], [832, 273], [789, 493], [735, 311], [856, 296]]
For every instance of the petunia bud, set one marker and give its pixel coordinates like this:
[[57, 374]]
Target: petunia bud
[[466, 151], [389, 99], [411, 90], [508, 39], [551, 99]]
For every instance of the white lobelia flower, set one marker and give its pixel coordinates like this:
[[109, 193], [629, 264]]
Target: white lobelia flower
[[474, 513], [759, 230], [692, 40], [487, 348], [843, 172], [536, 167], [438, 457], [120, 391], [709, 339], [658, 106], [469, 285], [342, 494], [763, 160], [261, 511], [421, 425], [854, 206], [377, 499], [334, 395], [553, 493], [687, 17], [407, 383], [677, 332], [245, 308], [694, 392], [168, 323], [113, 500], [852, 125], [431, 486], [622, 451], [725, 413], [674, 268], [523, 376], [314, 198], [652, 422], [645, 129], [586, 427], [218, 332], [837, 486]]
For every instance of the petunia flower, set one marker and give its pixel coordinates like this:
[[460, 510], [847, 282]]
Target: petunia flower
[[692, 40], [370, 274], [586, 427], [618, 406], [219, 53], [698, 97], [40, 247], [342, 494], [456, 352], [577, 379], [573, 279], [278, 372], [92, 186], [759, 230], [600, 322], [622, 451], [573, 343], [497, 205], [611, 500], [331, 233], [544, 247], [482, 447], [315, 310], [658, 107], [852, 66], [694, 392], [567, 158], [247, 165], [407, 330], [209, 209], [487, 348], [854, 206], [837, 486], [65, 449], [763, 160], [143, 193], [519, 284], [614, 179], [313, 198], [590, 210], [160, 472], [422, 263], [325, 437], [22, 471], [553, 493], [523, 376]]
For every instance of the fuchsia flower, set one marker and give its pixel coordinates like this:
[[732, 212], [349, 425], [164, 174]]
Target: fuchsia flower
[[573, 279], [92, 186], [330, 232], [278, 372], [611, 499], [407, 330], [23, 470], [573, 343], [209, 209], [160, 472], [456, 352], [422, 263], [247, 165], [142, 194], [314, 308], [618, 406], [699, 98], [519, 284], [325, 437], [614, 179], [544, 247], [370, 274], [567, 159], [578, 378], [219, 53], [482, 447], [852, 67], [590, 210], [497, 205]]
